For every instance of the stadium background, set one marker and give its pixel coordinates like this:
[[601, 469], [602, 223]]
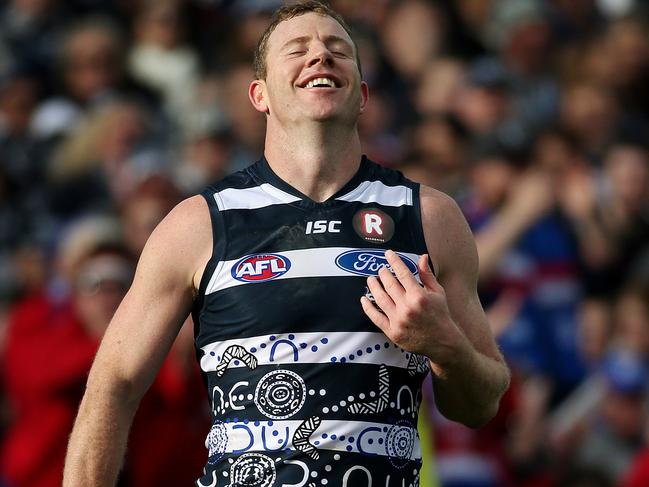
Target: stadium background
[[533, 114]]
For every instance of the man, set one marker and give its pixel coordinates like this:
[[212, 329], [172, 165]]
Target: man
[[306, 384]]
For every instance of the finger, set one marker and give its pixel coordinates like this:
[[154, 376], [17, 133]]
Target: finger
[[401, 271], [426, 275], [382, 299], [375, 314], [391, 285]]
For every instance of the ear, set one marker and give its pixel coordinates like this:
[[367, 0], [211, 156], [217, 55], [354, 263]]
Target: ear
[[257, 95], [365, 95]]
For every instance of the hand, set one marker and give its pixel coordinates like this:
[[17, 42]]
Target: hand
[[414, 317], [577, 196], [532, 196], [503, 311]]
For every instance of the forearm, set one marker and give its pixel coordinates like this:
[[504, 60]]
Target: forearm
[[469, 385], [98, 441], [497, 237]]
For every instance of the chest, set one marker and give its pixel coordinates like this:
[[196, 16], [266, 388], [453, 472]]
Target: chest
[[286, 269]]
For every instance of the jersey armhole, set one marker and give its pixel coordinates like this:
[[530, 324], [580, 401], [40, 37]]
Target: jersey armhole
[[219, 243], [418, 227]]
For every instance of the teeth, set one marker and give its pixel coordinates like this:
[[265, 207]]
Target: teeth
[[320, 82]]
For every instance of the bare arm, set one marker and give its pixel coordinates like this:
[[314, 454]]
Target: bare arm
[[444, 320], [531, 198], [470, 381], [136, 342], [578, 199]]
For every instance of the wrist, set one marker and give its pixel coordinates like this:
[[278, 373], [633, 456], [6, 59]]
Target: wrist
[[451, 353]]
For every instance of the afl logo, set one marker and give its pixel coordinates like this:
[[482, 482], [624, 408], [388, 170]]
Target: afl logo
[[373, 225], [260, 267], [368, 262]]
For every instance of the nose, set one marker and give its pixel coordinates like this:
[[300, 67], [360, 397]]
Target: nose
[[321, 54]]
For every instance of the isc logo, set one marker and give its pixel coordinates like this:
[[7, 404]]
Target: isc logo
[[322, 226], [260, 267]]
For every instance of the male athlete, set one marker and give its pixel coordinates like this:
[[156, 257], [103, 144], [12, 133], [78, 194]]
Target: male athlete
[[317, 313]]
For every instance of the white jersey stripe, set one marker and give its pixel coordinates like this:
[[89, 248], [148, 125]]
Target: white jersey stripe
[[306, 348], [267, 195], [252, 198], [380, 193], [294, 264], [399, 442]]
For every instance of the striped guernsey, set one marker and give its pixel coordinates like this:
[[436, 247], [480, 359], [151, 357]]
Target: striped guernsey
[[304, 389]]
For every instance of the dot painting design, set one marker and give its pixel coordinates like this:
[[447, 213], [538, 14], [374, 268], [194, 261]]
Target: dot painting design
[[253, 470], [380, 403], [217, 441], [280, 394], [274, 342], [399, 444], [366, 350]]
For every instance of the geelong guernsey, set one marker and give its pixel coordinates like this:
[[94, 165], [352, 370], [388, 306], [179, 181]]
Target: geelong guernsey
[[304, 389]]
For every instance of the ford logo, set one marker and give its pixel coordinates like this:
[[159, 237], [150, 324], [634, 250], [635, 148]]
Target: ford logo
[[368, 262]]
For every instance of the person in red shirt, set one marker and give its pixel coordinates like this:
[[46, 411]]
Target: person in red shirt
[[50, 347]]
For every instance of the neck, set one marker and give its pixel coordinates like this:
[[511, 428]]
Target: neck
[[317, 160]]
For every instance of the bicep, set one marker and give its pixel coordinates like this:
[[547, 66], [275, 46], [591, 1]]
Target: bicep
[[452, 247], [160, 298]]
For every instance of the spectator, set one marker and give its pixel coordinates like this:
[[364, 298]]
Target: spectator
[[207, 153], [31, 32], [591, 115], [161, 60], [610, 216], [108, 106], [104, 158], [614, 437], [146, 205], [412, 35], [50, 347], [439, 86], [52, 340], [91, 72], [24, 213]]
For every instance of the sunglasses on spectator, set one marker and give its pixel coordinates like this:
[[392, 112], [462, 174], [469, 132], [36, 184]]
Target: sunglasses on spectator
[[104, 274]]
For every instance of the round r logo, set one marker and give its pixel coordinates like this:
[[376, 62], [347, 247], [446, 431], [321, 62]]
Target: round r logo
[[373, 225]]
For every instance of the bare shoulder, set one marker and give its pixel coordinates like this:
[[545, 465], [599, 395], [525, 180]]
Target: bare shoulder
[[439, 208], [183, 240], [448, 237]]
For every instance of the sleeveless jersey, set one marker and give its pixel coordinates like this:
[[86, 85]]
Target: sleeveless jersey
[[304, 389]]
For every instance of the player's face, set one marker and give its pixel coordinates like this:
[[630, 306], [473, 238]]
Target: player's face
[[311, 73]]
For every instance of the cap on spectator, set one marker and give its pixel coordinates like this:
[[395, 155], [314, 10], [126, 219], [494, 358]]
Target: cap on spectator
[[83, 237], [625, 372]]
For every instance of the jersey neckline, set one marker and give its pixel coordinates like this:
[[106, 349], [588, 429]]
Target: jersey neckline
[[268, 175]]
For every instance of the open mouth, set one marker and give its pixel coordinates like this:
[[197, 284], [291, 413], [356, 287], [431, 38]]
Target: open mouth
[[321, 83]]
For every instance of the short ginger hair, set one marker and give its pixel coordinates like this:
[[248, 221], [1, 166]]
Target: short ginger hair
[[288, 12]]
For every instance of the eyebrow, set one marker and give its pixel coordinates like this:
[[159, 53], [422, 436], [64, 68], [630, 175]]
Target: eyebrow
[[328, 40]]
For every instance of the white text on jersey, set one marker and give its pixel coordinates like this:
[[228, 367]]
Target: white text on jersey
[[322, 226]]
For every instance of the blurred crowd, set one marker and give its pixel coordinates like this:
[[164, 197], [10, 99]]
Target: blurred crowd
[[532, 114]]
